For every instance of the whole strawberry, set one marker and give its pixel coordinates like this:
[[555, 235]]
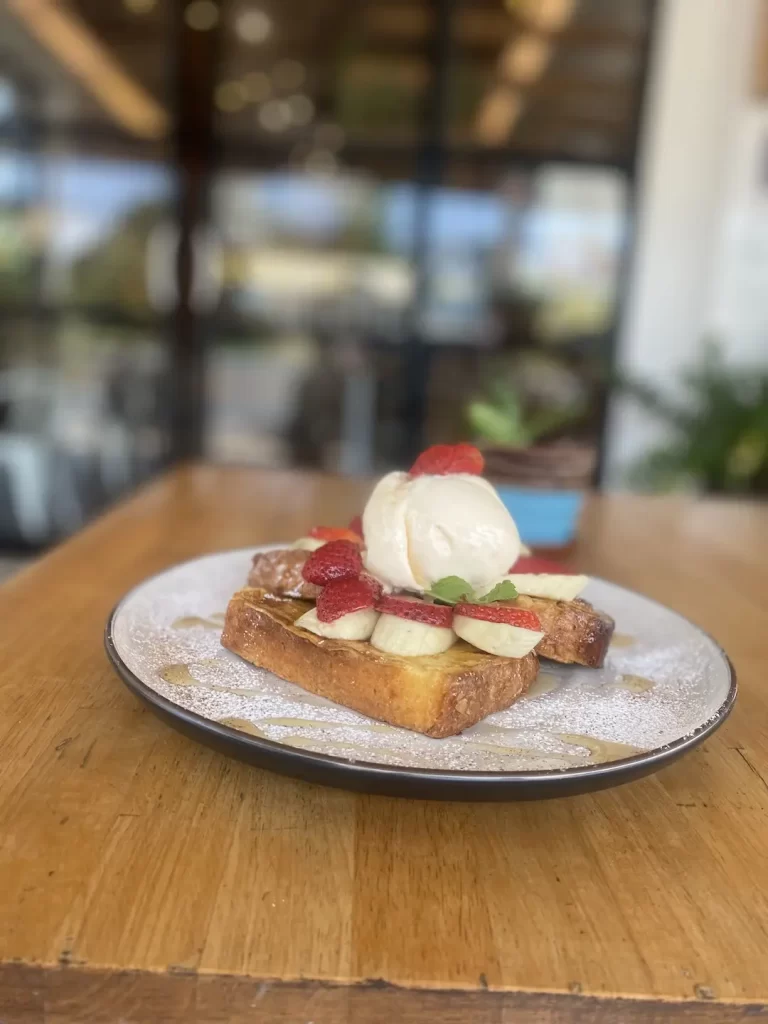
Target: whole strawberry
[[336, 560], [443, 459]]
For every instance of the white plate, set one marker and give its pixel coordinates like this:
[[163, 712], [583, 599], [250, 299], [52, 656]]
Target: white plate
[[664, 687]]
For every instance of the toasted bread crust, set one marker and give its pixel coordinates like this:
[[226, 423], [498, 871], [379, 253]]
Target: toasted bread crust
[[279, 572], [440, 695], [576, 634]]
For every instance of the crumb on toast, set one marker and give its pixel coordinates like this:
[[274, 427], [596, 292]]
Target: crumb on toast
[[438, 695]]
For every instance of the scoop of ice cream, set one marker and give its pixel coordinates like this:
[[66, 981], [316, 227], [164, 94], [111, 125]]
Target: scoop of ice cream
[[420, 529]]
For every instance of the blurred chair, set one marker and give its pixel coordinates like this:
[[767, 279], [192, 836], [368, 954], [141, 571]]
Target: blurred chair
[[26, 456]]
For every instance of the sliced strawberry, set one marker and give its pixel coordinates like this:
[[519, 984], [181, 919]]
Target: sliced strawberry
[[341, 597], [416, 610], [373, 583], [531, 564], [441, 459], [505, 613], [336, 560], [356, 525], [329, 533]]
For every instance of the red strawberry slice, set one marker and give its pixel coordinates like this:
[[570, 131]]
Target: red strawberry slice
[[328, 533], [356, 525], [441, 459], [336, 560], [531, 564], [373, 583], [416, 610], [504, 613], [342, 597]]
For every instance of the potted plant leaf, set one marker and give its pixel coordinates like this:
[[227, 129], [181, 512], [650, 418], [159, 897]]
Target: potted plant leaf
[[718, 429], [541, 475]]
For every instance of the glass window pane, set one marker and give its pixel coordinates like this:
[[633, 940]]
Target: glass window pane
[[548, 240], [83, 416], [20, 243], [523, 282], [84, 230], [85, 284], [109, 220], [318, 286]]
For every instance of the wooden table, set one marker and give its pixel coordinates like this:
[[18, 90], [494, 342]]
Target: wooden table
[[145, 878]]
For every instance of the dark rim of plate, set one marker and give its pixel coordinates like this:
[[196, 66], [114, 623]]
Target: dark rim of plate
[[308, 758]]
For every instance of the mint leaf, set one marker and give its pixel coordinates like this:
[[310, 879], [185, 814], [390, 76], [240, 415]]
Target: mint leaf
[[451, 590], [504, 591]]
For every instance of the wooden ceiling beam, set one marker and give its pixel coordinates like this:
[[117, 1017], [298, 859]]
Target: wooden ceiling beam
[[74, 44]]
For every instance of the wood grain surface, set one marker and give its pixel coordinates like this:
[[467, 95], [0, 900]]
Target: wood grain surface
[[143, 877]]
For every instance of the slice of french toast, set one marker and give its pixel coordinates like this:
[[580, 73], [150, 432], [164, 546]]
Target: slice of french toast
[[576, 633], [438, 695]]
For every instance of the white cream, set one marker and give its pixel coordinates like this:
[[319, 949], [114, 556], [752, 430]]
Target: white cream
[[420, 529], [386, 544]]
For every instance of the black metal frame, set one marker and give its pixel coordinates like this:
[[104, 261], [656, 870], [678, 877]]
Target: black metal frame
[[197, 60]]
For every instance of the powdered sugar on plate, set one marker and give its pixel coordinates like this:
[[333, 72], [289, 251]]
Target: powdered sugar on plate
[[663, 679]]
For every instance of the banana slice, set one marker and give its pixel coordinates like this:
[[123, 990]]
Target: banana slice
[[553, 585], [496, 637], [308, 543], [395, 635], [353, 626]]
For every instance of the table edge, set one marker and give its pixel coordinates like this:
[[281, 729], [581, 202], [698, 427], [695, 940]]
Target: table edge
[[68, 991]]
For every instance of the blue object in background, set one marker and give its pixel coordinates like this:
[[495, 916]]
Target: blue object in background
[[545, 519]]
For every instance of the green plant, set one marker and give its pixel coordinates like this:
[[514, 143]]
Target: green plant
[[503, 418], [719, 429], [113, 271]]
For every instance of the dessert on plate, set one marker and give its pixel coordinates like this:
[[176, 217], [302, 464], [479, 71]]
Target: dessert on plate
[[422, 612]]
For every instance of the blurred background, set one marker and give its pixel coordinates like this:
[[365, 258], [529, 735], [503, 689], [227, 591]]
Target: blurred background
[[327, 233]]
